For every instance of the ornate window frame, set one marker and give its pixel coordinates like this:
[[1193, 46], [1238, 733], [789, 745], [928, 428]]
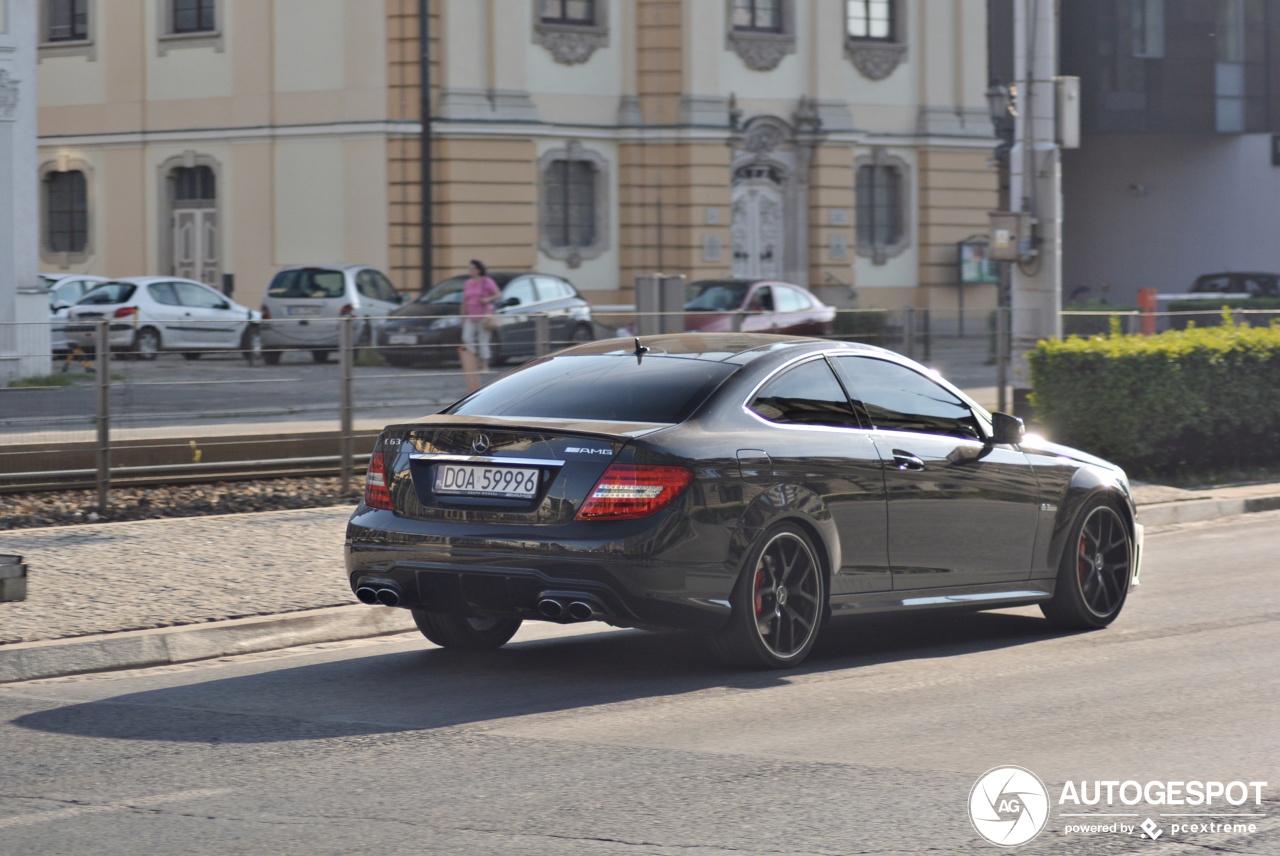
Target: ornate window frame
[[169, 39], [85, 47], [876, 59], [63, 259], [759, 49], [877, 252], [570, 44], [573, 150]]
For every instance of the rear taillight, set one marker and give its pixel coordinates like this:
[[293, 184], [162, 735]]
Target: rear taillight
[[376, 492], [347, 311], [266, 313], [125, 312], [627, 491]]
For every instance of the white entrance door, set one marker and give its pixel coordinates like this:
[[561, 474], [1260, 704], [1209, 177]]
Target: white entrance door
[[757, 229], [195, 244]]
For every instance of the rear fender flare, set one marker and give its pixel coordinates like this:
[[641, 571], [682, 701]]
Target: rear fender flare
[[789, 503]]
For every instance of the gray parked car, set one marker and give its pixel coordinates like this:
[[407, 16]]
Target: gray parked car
[[304, 305]]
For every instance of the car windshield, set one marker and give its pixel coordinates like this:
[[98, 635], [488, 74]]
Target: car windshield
[[111, 292], [715, 295], [449, 291], [609, 387], [307, 282]]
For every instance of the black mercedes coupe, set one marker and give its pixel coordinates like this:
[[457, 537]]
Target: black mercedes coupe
[[748, 486]]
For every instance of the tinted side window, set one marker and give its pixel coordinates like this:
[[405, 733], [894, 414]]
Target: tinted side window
[[386, 291], [194, 295], [899, 399], [550, 288], [367, 285], [521, 288], [808, 394], [163, 292], [789, 300], [761, 300]]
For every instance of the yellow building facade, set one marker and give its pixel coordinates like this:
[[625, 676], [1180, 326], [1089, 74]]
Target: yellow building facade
[[840, 144]]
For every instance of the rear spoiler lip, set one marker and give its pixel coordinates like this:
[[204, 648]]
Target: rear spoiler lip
[[575, 427]]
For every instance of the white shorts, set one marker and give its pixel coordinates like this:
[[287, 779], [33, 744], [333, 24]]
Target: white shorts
[[476, 336]]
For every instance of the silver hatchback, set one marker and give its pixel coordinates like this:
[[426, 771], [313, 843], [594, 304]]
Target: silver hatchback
[[304, 305]]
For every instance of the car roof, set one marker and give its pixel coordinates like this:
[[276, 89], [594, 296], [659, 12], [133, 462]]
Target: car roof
[[146, 280], [721, 347]]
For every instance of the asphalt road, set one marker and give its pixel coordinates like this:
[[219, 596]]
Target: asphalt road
[[585, 741]]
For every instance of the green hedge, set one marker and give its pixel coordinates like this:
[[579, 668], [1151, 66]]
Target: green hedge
[[1201, 399]]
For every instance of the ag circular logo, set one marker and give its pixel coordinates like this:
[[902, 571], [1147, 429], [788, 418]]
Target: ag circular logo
[[1009, 806]]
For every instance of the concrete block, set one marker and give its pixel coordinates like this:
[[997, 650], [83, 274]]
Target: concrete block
[[13, 578]]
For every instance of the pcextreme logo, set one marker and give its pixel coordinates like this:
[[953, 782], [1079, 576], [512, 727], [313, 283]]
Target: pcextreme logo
[[1009, 806]]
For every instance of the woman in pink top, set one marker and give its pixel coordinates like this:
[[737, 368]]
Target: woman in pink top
[[478, 297]]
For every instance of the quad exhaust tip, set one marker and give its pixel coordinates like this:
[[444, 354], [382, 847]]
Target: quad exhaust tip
[[568, 608], [374, 593]]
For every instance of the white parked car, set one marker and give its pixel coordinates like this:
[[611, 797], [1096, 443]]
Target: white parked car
[[304, 304], [64, 290], [149, 314]]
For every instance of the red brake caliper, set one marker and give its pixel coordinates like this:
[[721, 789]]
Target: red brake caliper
[[759, 595], [1083, 565]]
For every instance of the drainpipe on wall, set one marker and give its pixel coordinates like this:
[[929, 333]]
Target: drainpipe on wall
[[424, 38]]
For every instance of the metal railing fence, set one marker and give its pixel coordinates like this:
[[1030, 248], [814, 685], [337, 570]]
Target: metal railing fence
[[104, 417]]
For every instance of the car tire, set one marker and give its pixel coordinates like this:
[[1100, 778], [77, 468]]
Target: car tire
[[320, 356], [581, 335], [251, 345], [192, 355], [272, 358], [464, 633], [146, 344], [1094, 574], [778, 603]]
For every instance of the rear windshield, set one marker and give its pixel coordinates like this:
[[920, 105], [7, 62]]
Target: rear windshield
[[307, 283], [112, 292], [598, 386]]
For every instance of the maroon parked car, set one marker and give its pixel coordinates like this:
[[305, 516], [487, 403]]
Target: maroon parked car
[[755, 306]]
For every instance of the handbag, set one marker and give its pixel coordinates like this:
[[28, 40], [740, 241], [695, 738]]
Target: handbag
[[491, 322]]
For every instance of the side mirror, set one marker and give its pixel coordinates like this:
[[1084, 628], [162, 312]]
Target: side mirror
[[510, 301], [59, 306], [1008, 430]]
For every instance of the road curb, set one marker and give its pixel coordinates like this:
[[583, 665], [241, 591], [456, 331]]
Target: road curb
[[1193, 511], [27, 661]]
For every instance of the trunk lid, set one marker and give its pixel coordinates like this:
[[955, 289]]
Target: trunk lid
[[485, 470]]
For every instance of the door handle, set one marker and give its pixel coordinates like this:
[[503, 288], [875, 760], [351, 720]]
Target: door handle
[[907, 461]]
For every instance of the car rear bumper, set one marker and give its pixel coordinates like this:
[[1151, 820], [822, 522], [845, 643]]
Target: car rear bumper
[[508, 576], [299, 334]]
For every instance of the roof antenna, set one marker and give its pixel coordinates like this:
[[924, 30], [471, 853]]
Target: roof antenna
[[640, 350]]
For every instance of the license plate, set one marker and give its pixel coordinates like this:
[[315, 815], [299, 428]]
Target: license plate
[[480, 480], [303, 311], [402, 339]]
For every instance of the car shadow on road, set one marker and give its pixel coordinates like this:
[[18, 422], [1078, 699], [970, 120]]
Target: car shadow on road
[[384, 693]]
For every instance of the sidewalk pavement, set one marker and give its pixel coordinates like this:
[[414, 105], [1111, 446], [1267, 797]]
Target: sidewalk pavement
[[126, 595]]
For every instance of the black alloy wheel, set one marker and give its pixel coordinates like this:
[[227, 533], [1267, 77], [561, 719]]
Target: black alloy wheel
[[778, 603], [1093, 580], [465, 633], [320, 356]]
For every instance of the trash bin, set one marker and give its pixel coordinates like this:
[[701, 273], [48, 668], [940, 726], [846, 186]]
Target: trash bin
[[13, 578]]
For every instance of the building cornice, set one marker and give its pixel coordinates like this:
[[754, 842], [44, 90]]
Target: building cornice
[[512, 130]]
